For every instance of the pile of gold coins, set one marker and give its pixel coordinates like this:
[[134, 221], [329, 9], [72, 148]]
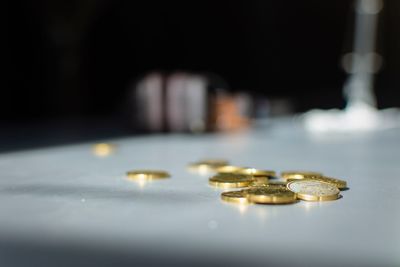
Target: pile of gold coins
[[264, 187]]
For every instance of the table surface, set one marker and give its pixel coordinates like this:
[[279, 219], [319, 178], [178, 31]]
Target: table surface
[[67, 194]]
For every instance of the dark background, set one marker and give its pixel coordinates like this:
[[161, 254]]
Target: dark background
[[76, 58]]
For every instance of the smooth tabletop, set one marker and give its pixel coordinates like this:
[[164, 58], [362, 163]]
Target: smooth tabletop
[[68, 195]]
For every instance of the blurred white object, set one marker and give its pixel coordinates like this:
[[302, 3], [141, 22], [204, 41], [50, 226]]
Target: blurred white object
[[361, 113], [355, 118]]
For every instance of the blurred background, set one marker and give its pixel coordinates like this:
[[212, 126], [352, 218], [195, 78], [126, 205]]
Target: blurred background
[[78, 70]]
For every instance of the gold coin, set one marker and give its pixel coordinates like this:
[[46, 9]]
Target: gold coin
[[229, 169], [215, 161], [147, 174], [336, 182], [208, 164], [230, 180], [313, 190], [234, 197], [256, 172], [103, 149], [299, 174], [270, 195]]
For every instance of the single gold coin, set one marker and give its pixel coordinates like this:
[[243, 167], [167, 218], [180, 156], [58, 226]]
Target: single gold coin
[[256, 172], [341, 184], [270, 195], [103, 149], [147, 174], [313, 190], [234, 197], [207, 165], [230, 169], [214, 161], [230, 180], [299, 174]]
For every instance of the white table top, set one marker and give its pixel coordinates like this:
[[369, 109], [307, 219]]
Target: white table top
[[66, 194]]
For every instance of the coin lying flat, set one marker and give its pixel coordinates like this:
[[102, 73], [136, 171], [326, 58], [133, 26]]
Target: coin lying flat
[[230, 180], [340, 184], [270, 195], [256, 172], [207, 165], [214, 161], [313, 190], [103, 149], [234, 197], [147, 174], [299, 174], [230, 169]]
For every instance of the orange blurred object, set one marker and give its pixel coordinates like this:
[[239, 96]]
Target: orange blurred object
[[227, 114]]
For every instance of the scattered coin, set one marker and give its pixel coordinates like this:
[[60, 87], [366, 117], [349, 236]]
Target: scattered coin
[[340, 184], [230, 180], [234, 197], [257, 173], [207, 165], [214, 162], [313, 190], [270, 195], [103, 149], [230, 169], [299, 174], [147, 174]]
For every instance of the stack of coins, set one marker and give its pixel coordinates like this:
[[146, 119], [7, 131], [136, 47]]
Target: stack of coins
[[263, 186]]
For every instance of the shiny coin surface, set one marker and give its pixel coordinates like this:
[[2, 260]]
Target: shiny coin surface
[[270, 195], [147, 174], [230, 180], [336, 182], [229, 169], [341, 184], [313, 190], [235, 197], [299, 174], [257, 172]]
